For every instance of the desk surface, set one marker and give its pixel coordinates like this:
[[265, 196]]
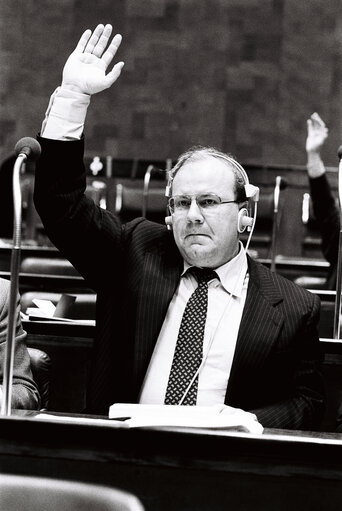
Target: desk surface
[[183, 469], [61, 329], [55, 328]]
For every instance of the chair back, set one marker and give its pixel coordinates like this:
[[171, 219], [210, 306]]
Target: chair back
[[47, 266], [131, 202], [26, 493], [41, 367]]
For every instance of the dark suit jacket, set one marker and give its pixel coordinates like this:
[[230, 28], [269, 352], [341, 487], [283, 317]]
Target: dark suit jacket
[[328, 219], [135, 269]]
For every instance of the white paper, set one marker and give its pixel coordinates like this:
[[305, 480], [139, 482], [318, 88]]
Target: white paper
[[215, 417], [45, 306]]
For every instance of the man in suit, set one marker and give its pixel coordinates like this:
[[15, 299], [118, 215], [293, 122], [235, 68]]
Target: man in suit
[[260, 349], [323, 201], [25, 394]]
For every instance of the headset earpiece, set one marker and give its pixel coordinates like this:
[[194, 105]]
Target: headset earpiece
[[244, 220], [168, 222]]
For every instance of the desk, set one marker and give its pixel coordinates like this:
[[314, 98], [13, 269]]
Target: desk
[[71, 355], [59, 329], [70, 347], [175, 469], [291, 267], [44, 282], [26, 250]]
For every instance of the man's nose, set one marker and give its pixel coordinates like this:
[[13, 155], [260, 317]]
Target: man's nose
[[194, 213]]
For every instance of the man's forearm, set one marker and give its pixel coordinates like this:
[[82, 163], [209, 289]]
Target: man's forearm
[[315, 165]]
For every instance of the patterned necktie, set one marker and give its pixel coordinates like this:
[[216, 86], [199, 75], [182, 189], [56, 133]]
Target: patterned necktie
[[189, 347]]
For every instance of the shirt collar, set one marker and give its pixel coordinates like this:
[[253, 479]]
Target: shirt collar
[[231, 274]]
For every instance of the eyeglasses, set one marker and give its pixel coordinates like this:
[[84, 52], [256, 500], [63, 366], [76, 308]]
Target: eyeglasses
[[205, 201]]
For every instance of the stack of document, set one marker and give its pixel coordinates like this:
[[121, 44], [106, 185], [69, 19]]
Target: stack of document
[[212, 417], [46, 310]]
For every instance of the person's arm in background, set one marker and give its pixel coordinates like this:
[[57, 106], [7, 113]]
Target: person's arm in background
[[25, 394], [323, 201], [84, 233]]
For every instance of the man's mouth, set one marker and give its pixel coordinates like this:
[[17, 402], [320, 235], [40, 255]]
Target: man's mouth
[[195, 234]]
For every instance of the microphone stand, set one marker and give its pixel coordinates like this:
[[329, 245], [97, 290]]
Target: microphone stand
[[274, 225], [12, 308], [337, 316], [147, 179]]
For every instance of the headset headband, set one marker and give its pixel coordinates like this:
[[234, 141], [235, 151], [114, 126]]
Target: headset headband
[[222, 156]]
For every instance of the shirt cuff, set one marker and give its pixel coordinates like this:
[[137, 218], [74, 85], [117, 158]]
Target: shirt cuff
[[65, 115], [315, 166]]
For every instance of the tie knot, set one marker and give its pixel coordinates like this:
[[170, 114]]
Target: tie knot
[[203, 274]]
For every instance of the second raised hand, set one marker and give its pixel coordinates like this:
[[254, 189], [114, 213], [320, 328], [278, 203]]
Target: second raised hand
[[85, 69]]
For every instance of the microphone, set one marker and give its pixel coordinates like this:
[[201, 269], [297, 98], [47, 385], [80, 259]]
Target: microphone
[[337, 316], [339, 153], [150, 170], [280, 184], [26, 148]]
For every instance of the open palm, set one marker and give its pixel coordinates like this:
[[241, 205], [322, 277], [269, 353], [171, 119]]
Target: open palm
[[317, 133], [85, 70]]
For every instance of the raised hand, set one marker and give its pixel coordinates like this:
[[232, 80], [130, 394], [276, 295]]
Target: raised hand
[[85, 69], [317, 133]]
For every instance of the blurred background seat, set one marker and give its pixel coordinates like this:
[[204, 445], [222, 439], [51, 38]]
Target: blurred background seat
[[143, 197], [130, 203], [26, 493], [326, 321], [47, 266], [41, 367], [310, 282]]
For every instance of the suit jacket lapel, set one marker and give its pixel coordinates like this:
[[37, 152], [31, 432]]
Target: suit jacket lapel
[[260, 326], [161, 273]]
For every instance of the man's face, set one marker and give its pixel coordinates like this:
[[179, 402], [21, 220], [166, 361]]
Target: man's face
[[207, 238]]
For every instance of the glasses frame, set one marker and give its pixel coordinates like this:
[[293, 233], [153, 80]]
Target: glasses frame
[[195, 197]]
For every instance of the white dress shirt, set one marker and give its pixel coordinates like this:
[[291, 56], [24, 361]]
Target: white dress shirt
[[226, 300]]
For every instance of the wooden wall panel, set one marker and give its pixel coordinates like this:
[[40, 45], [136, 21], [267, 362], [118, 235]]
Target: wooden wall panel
[[240, 74]]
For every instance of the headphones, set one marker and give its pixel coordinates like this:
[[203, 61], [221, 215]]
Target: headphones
[[251, 195]]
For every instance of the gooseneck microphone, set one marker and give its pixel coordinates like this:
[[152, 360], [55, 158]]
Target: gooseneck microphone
[[280, 184], [26, 149], [337, 315]]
